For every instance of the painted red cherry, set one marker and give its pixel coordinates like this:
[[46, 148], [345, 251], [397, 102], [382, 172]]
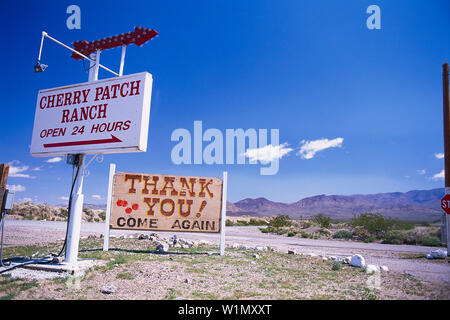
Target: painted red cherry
[[119, 203], [124, 203], [135, 206], [128, 210]]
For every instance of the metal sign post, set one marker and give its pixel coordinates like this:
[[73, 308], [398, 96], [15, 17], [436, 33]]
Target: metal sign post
[[446, 105], [112, 171], [223, 215], [76, 209]]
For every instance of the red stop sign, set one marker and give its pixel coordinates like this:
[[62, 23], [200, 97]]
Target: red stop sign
[[445, 203]]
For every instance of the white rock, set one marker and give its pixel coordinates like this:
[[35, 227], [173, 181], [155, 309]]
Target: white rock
[[333, 258], [429, 256], [256, 256], [358, 261], [384, 268], [109, 289], [324, 258], [244, 247], [161, 246], [371, 268], [313, 255], [439, 254], [261, 248]]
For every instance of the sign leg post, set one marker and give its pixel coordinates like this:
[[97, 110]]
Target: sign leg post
[[223, 213], [446, 104], [75, 214], [112, 171]]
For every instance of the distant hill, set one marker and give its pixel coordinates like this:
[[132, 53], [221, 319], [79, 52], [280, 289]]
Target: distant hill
[[416, 205]]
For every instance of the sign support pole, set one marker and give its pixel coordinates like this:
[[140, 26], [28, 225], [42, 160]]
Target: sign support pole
[[76, 208], [112, 171], [446, 105], [223, 214], [76, 212]]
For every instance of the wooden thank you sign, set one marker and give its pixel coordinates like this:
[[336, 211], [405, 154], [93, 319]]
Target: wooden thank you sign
[[166, 202]]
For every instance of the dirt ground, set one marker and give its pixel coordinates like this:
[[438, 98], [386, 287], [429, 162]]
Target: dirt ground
[[138, 272]]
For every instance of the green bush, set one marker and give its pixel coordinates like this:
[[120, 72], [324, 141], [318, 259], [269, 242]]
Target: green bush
[[280, 221], [369, 240], [375, 224], [322, 220], [342, 234], [431, 242], [394, 237], [257, 222], [264, 230], [336, 266], [306, 235], [292, 233]]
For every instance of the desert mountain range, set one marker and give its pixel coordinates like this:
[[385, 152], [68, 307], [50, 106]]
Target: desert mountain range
[[416, 205]]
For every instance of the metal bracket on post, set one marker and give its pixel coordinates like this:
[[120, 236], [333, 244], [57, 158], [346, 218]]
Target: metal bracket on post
[[223, 214], [112, 171]]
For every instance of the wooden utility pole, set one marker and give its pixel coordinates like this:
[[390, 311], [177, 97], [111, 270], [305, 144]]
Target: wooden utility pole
[[446, 144], [4, 170]]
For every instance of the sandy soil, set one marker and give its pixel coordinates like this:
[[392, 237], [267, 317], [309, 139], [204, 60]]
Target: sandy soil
[[402, 259]]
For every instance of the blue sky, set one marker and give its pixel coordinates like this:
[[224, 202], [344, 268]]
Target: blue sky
[[311, 69]]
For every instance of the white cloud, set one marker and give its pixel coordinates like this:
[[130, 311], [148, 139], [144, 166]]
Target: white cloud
[[439, 176], [16, 171], [27, 200], [309, 148], [37, 169], [422, 171], [96, 197], [64, 198], [54, 160], [268, 153], [439, 155], [16, 187]]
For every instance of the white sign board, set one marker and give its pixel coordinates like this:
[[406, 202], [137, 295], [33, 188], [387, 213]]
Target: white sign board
[[105, 116]]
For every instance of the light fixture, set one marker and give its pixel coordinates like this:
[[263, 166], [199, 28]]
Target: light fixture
[[40, 67]]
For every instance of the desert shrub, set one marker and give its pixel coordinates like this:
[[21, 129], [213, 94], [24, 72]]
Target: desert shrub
[[342, 234], [306, 235], [306, 224], [431, 242], [292, 233], [102, 215], [375, 224], [325, 231], [394, 237], [280, 221], [229, 223], [322, 220], [257, 222], [360, 233], [336, 266], [369, 240], [264, 230]]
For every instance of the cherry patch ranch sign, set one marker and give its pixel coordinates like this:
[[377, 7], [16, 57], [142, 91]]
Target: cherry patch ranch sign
[[166, 203], [108, 116]]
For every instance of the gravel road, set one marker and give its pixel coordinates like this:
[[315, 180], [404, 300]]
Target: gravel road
[[27, 232]]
